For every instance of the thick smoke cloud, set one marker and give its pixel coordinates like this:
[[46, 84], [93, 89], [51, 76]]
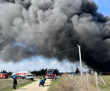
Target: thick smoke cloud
[[42, 27]]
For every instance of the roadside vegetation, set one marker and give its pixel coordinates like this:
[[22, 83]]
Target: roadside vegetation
[[74, 83], [107, 81], [7, 84], [54, 84]]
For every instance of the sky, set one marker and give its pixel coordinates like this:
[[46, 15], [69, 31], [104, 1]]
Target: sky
[[103, 6], [37, 63]]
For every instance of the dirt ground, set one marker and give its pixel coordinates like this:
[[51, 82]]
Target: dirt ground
[[35, 86]]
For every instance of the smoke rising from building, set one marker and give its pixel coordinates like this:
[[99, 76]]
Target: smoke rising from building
[[41, 27]]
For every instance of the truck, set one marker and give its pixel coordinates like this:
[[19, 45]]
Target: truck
[[21, 74], [3, 75], [24, 75], [50, 73]]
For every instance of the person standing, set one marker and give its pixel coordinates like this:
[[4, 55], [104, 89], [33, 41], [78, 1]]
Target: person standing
[[55, 77], [14, 81], [52, 76]]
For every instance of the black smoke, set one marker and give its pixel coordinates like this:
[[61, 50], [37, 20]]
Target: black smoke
[[46, 27]]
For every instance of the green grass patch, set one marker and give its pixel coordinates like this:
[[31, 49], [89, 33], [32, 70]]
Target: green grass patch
[[10, 88], [104, 88], [54, 84], [107, 81]]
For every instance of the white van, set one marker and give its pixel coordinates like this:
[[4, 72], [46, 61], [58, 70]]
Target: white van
[[30, 77]]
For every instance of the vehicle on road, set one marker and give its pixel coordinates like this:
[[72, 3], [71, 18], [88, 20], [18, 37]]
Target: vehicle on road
[[30, 76], [21, 74], [50, 74]]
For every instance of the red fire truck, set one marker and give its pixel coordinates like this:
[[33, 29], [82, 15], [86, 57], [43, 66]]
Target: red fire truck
[[50, 73], [3, 75]]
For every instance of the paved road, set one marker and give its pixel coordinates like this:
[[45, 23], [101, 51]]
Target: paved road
[[35, 86]]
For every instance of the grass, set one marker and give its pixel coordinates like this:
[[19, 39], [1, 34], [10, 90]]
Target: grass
[[7, 84], [107, 81], [54, 84], [73, 83], [24, 84]]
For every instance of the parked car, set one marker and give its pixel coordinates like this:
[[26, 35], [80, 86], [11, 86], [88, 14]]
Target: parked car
[[30, 77]]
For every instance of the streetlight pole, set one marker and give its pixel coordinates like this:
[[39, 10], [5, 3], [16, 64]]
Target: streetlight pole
[[79, 48]]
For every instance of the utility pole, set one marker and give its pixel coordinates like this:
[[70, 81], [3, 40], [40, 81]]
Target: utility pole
[[96, 78], [79, 48]]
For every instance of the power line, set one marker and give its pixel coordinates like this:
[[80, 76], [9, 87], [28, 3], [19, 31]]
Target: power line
[[62, 51]]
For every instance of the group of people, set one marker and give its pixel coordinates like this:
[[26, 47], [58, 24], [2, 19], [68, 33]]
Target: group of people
[[42, 81]]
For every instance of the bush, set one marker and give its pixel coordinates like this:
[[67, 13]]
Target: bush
[[73, 83]]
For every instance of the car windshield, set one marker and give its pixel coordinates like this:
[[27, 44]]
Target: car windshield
[[49, 72]]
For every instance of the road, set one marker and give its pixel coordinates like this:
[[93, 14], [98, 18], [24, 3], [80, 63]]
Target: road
[[35, 86]]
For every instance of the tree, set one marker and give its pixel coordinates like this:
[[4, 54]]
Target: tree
[[9, 73], [40, 72], [56, 71], [4, 71], [77, 71]]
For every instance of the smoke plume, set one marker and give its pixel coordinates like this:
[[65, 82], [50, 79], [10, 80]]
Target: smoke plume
[[41, 27]]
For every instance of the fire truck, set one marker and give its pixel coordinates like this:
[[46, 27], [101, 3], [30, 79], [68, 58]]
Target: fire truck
[[50, 74], [3, 75]]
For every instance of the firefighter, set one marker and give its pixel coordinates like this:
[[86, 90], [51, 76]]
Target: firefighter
[[43, 78], [52, 76], [14, 81], [41, 82], [55, 77]]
